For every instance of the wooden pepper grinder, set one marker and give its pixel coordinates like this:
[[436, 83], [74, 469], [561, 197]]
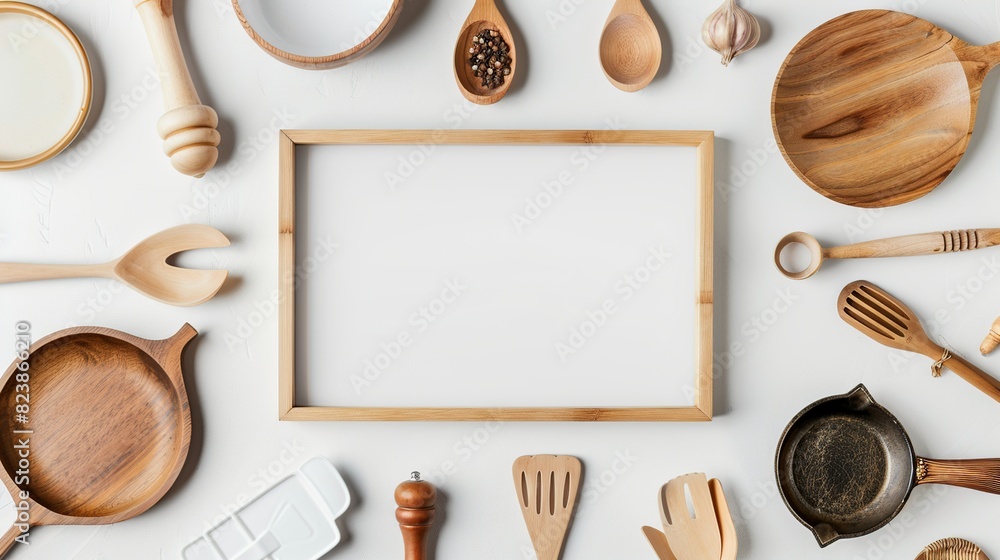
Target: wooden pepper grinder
[[415, 514]]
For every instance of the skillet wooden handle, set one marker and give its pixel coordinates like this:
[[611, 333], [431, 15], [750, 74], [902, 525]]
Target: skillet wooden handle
[[976, 474], [188, 128], [919, 244], [977, 377]]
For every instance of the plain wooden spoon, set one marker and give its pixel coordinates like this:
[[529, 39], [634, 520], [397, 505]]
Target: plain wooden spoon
[[630, 46], [484, 15], [885, 319], [875, 108], [952, 549], [144, 268], [902, 246]]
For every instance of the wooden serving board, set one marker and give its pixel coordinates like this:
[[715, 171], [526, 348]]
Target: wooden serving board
[[875, 108]]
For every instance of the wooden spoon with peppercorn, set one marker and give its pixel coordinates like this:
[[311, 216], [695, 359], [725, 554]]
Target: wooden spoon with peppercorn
[[485, 59]]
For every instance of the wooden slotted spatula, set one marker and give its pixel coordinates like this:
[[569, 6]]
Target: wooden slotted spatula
[[952, 549], [885, 319], [691, 537], [547, 487]]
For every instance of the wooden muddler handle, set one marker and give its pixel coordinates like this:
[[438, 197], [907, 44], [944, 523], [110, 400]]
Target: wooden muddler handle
[[415, 515], [992, 339], [919, 244], [188, 128]]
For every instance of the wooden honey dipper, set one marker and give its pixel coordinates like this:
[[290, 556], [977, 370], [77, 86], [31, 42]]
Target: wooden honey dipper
[[415, 514], [188, 128]]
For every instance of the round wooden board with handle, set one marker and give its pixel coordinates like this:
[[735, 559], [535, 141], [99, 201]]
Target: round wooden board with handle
[[875, 108]]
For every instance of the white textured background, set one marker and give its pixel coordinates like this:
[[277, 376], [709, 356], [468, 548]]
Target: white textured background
[[113, 187]]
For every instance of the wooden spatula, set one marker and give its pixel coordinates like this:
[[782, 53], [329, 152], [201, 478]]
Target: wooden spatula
[[691, 537], [885, 319], [952, 549], [547, 487]]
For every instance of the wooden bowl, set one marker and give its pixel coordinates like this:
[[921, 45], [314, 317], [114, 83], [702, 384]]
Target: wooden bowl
[[63, 135], [318, 36], [109, 421]]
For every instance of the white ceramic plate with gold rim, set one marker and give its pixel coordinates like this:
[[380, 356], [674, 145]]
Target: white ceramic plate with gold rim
[[47, 86], [318, 34]]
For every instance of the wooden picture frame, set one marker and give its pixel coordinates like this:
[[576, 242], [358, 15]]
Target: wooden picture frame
[[703, 141]]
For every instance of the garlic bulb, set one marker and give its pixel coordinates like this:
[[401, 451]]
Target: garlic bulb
[[730, 31]]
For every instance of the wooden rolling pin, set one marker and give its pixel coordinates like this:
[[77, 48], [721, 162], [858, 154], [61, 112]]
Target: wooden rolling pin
[[415, 515], [188, 128]]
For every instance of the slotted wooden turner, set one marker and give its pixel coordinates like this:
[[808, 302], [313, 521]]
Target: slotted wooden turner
[[889, 321], [547, 487]]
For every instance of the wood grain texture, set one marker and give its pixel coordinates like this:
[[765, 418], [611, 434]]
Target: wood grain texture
[[887, 320], [416, 500], [332, 60], [902, 246], [875, 108], [547, 487], [703, 141], [727, 529], [113, 413], [484, 16], [187, 128], [85, 101], [144, 268], [975, 474], [658, 541], [691, 537], [952, 549], [630, 48]]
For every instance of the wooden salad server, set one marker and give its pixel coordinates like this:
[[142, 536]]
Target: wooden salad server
[[188, 128], [416, 500], [690, 537], [727, 530], [885, 319], [903, 246], [144, 268]]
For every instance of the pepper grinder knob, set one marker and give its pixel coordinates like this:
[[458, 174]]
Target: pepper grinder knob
[[415, 515]]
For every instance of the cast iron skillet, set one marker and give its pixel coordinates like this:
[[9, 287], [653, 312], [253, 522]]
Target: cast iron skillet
[[846, 467]]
